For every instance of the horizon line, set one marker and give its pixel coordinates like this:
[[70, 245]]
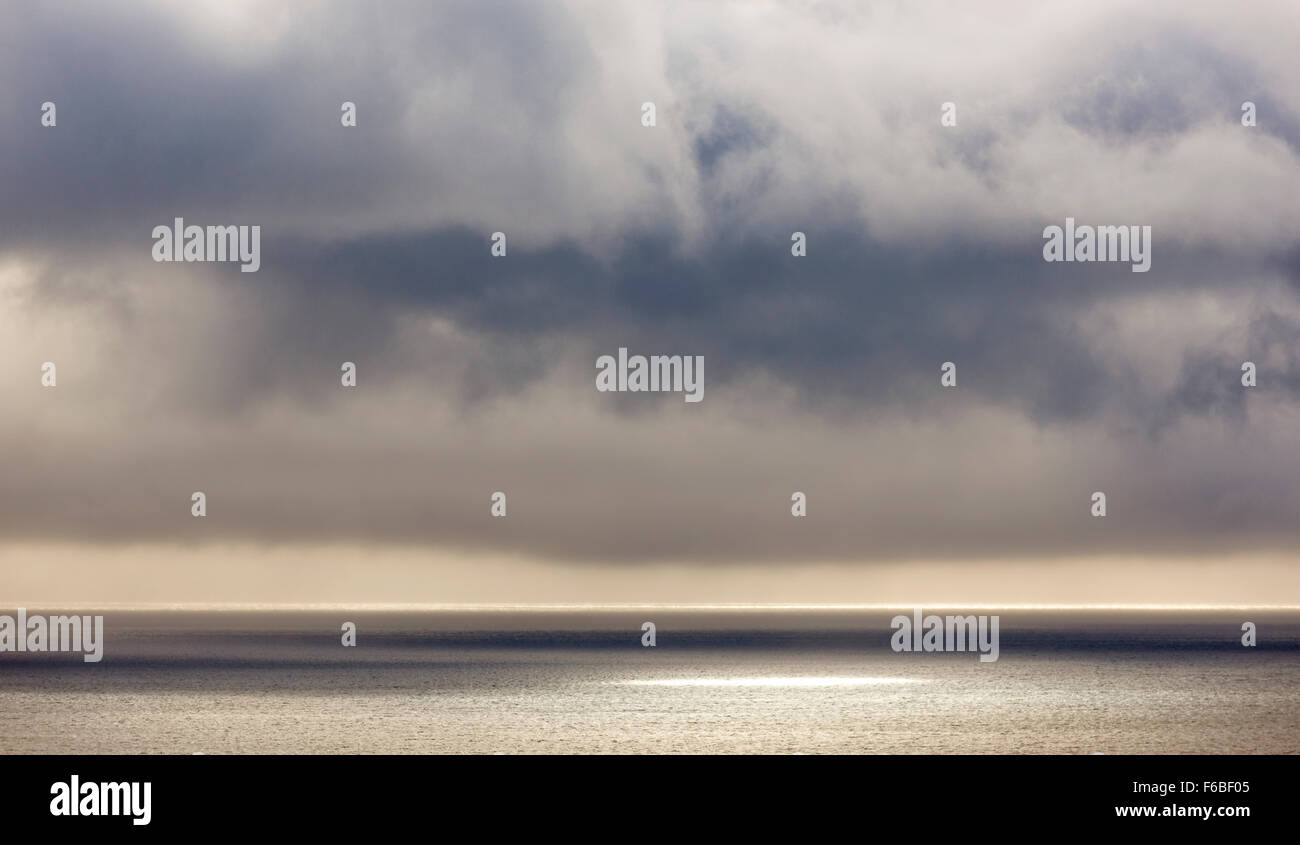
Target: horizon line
[[622, 606]]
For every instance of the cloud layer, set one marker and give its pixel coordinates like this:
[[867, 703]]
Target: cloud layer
[[476, 373]]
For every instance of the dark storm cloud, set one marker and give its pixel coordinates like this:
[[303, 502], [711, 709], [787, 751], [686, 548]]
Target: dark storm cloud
[[854, 322], [155, 121]]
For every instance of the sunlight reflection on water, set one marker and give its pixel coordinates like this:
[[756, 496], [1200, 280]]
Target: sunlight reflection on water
[[767, 682]]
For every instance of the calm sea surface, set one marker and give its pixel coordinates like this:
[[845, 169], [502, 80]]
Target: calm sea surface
[[718, 681]]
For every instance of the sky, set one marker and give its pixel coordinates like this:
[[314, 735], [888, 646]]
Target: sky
[[476, 373]]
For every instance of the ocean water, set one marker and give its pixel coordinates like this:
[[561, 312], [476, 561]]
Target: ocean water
[[718, 681]]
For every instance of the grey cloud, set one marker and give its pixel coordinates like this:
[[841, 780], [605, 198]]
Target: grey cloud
[[924, 247]]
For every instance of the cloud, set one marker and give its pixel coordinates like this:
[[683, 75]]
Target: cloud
[[476, 373]]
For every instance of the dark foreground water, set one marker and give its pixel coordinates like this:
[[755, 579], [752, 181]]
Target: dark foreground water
[[718, 681]]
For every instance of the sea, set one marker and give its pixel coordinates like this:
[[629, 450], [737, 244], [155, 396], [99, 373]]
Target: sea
[[718, 680]]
